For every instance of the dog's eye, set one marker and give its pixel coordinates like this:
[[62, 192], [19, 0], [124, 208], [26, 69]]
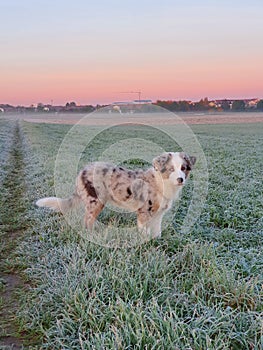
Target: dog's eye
[[172, 169], [183, 168]]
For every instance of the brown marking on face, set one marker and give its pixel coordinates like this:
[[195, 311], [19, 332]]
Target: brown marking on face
[[168, 171], [188, 163], [164, 165]]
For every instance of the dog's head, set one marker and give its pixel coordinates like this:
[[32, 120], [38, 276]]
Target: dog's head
[[175, 166]]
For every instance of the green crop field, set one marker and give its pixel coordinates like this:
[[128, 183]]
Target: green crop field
[[202, 289]]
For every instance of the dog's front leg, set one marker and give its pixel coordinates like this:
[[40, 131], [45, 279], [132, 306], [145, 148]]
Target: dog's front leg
[[150, 226], [156, 226], [143, 225]]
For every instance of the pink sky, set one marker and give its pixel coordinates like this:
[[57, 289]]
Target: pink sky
[[167, 51]]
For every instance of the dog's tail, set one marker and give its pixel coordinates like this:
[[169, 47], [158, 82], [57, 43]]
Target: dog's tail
[[59, 204]]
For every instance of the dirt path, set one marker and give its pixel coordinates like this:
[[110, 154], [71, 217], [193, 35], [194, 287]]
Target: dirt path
[[13, 221]]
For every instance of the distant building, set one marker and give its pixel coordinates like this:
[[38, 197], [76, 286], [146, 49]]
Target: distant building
[[121, 103], [251, 103], [141, 102]]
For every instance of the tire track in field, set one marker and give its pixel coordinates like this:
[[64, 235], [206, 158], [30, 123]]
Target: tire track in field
[[13, 221]]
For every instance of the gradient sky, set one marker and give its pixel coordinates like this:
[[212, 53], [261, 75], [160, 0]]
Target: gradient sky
[[90, 51]]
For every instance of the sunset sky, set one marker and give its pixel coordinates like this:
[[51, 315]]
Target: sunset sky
[[90, 51]]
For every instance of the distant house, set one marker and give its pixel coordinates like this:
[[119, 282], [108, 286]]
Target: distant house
[[212, 104], [142, 102], [251, 103], [121, 103]]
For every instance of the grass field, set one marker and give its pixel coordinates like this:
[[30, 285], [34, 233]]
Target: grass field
[[201, 290]]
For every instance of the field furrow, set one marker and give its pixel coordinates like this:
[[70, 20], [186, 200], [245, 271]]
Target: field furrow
[[13, 223]]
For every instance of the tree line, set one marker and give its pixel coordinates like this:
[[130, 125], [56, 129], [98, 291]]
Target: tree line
[[206, 105]]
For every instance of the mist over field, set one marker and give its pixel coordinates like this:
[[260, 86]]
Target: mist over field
[[160, 116]]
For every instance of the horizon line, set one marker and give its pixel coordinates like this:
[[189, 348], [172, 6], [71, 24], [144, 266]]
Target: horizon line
[[131, 101]]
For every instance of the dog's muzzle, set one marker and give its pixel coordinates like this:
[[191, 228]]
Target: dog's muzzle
[[180, 180]]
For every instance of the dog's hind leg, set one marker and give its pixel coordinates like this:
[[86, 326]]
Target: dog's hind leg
[[93, 207]]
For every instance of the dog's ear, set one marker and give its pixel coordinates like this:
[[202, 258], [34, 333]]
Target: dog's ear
[[192, 160], [189, 160], [160, 162]]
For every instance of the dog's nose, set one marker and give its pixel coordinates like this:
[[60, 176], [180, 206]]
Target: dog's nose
[[180, 180]]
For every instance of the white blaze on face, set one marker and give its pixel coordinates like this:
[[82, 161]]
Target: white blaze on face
[[177, 163]]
